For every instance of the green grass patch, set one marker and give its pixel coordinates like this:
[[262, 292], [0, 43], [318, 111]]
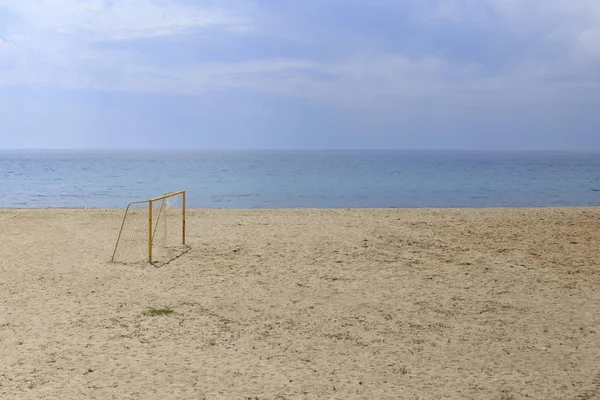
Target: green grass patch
[[158, 312]]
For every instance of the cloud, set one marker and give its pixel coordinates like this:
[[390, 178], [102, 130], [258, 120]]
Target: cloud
[[67, 43], [469, 51], [49, 36], [565, 24], [105, 20]]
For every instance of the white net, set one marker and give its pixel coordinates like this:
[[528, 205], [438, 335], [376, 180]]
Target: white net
[[167, 231], [167, 235], [132, 244]]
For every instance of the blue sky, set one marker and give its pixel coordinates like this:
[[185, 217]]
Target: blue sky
[[426, 74]]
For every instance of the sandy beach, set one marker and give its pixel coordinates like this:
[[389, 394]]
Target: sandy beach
[[305, 304]]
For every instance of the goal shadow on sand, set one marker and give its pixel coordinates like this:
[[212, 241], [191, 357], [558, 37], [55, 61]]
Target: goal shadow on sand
[[159, 262], [171, 255]]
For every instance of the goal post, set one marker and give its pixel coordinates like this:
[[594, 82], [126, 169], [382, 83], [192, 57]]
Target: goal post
[[160, 238]]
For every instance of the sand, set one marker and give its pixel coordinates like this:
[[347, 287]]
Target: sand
[[305, 304]]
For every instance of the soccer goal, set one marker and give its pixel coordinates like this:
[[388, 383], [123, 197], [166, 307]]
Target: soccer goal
[[152, 230]]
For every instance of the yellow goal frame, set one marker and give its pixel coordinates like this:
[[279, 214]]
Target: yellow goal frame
[[150, 221]]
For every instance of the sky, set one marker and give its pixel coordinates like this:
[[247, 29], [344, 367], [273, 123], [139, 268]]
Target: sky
[[303, 74]]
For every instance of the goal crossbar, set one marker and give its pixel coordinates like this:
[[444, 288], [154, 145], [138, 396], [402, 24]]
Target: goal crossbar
[[151, 229]]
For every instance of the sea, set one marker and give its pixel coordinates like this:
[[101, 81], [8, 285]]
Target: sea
[[300, 179]]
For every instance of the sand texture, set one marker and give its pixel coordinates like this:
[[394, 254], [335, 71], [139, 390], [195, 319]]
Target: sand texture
[[305, 304]]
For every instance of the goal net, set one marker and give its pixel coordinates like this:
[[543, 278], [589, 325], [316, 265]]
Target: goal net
[[152, 230]]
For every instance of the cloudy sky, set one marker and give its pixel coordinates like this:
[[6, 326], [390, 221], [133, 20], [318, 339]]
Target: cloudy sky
[[424, 74]]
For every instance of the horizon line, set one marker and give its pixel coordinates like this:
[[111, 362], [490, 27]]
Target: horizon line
[[301, 149]]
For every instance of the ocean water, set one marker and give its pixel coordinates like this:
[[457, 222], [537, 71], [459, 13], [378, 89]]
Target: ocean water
[[289, 179]]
